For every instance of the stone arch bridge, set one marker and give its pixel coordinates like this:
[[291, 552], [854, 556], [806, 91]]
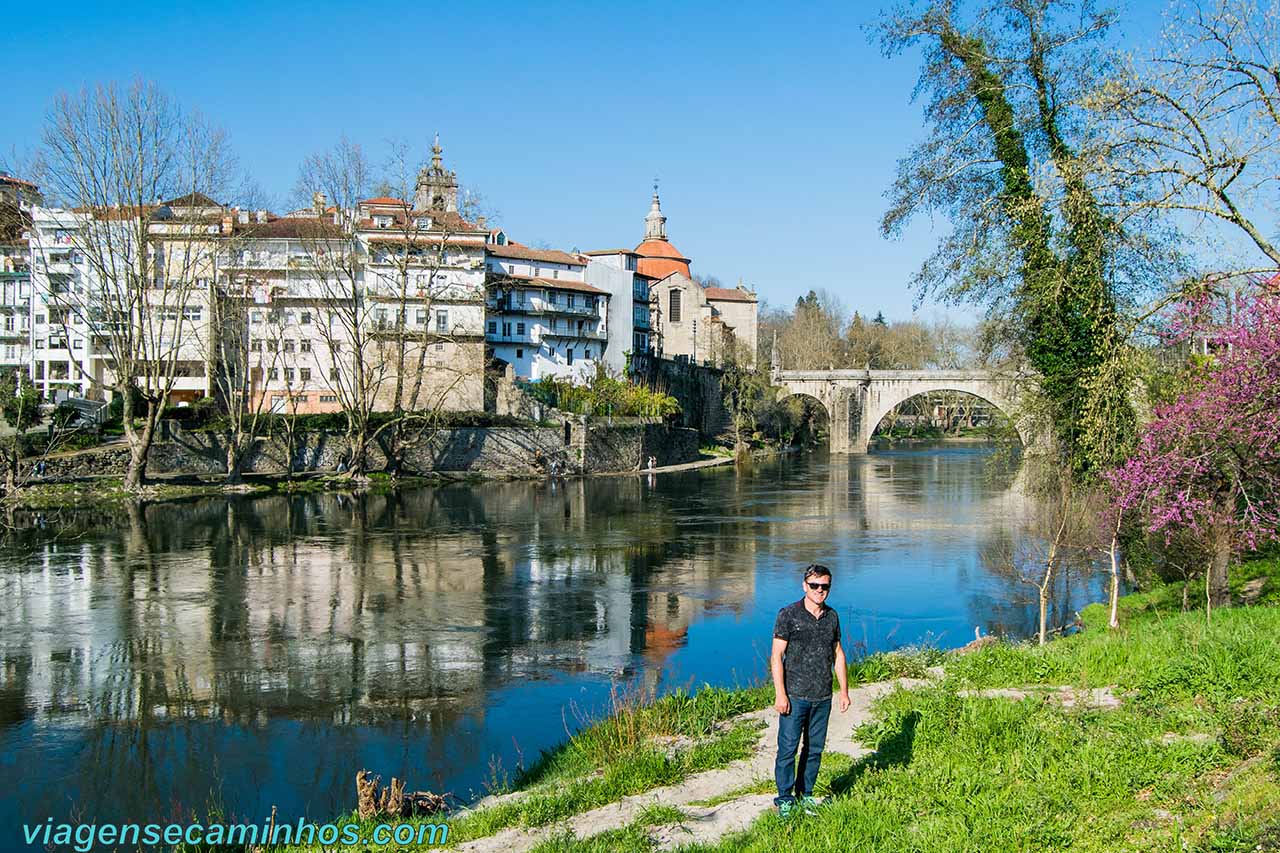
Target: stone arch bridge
[[857, 400]]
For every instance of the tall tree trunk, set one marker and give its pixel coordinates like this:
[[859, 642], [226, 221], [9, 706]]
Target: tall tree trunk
[[1044, 604], [1217, 590], [139, 449], [1114, 552], [235, 456]]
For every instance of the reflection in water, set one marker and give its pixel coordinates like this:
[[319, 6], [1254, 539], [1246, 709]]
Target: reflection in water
[[248, 652]]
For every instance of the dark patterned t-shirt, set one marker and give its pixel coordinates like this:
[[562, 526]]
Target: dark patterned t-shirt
[[811, 650]]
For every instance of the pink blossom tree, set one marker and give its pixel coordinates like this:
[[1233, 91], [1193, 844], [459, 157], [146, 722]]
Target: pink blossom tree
[[1209, 462]]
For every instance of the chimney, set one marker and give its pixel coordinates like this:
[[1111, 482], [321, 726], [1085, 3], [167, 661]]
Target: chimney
[[243, 215], [260, 216], [480, 221], [319, 202], [227, 224]]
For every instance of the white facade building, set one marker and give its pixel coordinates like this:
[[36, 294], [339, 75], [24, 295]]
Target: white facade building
[[614, 270], [544, 318]]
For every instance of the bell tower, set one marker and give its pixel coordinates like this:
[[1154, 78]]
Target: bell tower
[[437, 187], [655, 224]]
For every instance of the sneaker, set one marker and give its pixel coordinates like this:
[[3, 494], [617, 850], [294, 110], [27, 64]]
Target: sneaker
[[809, 805], [788, 809]]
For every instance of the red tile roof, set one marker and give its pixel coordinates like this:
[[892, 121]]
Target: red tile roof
[[386, 199], [524, 253], [610, 252], [192, 199], [729, 294], [557, 283], [10, 179]]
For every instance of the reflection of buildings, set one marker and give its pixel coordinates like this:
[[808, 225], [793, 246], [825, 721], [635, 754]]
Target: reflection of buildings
[[342, 609]]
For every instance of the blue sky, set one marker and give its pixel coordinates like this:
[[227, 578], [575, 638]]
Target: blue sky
[[774, 134]]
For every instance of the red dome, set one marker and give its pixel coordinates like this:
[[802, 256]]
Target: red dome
[[658, 258]]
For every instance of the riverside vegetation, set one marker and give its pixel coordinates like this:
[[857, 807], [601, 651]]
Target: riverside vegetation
[[1189, 758]]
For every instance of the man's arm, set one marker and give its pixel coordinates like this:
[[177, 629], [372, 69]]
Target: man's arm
[[842, 677], [780, 700]]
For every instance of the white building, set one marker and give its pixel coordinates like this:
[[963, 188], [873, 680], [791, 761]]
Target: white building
[[544, 318], [615, 270], [15, 287]]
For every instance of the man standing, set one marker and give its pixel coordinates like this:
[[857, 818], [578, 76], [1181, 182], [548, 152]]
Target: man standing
[[806, 645]]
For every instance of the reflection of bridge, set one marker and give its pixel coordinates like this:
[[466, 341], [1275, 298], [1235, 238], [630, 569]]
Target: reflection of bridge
[[857, 400]]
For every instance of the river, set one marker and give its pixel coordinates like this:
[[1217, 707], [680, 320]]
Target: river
[[232, 654]]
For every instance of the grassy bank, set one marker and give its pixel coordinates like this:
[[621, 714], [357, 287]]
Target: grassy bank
[[1190, 761]]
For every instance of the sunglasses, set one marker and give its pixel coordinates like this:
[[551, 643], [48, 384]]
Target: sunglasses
[[822, 586]]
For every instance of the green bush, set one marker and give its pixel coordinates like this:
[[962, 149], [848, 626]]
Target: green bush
[[603, 394]]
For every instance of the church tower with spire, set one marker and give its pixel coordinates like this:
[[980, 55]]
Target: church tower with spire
[[437, 187], [657, 257]]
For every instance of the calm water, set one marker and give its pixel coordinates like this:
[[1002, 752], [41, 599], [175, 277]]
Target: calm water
[[258, 651]]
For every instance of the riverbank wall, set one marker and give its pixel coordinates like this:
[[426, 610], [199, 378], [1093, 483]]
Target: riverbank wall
[[575, 447]]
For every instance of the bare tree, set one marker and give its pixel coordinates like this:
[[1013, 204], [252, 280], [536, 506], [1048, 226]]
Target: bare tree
[[113, 155], [1195, 128], [394, 274], [240, 360]]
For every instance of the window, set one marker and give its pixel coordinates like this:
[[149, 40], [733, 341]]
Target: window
[[256, 346], [304, 373], [288, 374], [519, 353], [306, 318], [8, 323], [273, 373], [335, 347], [39, 343], [572, 300], [304, 345], [288, 318], [328, 398], [333, 374], [493, 327], [586, 353], [552, 297], [272, 345], [382, 221], [555, 323], [77, 344], [442, 322], [439, 347], [301, 398], [674, 313], [555, 273], [506, 330], [569, 355], [288, 346], [39, 319], [519, 328], [422, 316]]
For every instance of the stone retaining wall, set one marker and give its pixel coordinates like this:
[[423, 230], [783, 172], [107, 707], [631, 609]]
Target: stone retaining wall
[[577, 446]]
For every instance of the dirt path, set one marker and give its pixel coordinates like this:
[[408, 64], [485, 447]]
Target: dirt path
[[705, 824]]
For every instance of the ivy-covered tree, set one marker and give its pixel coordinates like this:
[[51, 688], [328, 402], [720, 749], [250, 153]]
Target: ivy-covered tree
[[1008, 161]]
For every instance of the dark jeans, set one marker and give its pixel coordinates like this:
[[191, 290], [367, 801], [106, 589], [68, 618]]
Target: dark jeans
[[808, 722]]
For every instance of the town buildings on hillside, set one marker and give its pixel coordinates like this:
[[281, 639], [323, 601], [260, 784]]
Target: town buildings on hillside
[[396, 303]]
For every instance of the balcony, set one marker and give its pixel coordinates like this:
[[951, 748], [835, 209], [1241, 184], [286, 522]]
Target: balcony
[[585, 334]]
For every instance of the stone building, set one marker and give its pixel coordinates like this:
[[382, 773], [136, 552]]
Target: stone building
[[706, 325]]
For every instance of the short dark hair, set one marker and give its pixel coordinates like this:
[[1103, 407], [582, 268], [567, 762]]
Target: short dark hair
[[816, 570]]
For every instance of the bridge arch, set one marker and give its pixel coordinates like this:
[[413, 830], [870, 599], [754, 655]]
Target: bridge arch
[[823, 405], [857, 400], [890, 399]]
